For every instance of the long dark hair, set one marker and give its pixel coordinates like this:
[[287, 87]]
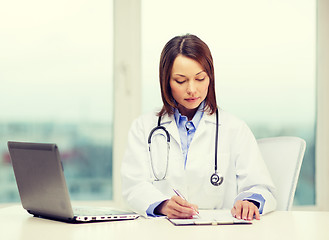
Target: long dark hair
[[192, 47]]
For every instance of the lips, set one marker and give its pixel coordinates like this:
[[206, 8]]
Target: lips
[[191, 99]]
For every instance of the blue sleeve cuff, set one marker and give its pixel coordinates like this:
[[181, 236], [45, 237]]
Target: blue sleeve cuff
[[150, 210], [259, 199]]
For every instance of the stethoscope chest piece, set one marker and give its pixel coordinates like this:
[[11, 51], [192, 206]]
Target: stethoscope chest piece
[[216, 180]]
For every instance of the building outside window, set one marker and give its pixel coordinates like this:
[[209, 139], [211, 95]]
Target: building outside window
[[56, 86]]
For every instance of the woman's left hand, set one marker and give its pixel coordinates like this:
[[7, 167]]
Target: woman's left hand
[[245, 210]]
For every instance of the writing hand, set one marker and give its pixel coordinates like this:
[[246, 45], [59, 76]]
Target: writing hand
[[177, 207]]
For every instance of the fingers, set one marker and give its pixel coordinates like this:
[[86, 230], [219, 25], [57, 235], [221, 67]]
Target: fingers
[[176, 207], [245, 210], [195, 207], [257, 214]]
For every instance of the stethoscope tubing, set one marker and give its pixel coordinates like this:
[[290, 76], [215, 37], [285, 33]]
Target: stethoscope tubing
[[215, 178]]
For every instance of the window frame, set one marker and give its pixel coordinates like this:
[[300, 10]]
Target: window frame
[[322, 151], [127, 81]]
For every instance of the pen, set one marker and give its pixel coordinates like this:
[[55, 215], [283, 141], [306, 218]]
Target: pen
[[180, 195]]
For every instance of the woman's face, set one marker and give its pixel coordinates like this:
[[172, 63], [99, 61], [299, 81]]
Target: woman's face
[[189, 85]]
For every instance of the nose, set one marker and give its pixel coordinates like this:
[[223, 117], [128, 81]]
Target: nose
[[191, 87]]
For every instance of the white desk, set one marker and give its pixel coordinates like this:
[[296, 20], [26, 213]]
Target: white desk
[[16, 223]]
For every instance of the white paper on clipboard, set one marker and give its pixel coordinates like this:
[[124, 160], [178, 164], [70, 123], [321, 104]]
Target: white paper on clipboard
[[210, 217]]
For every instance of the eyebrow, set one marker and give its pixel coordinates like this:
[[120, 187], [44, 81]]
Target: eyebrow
[[199, 72], [181, 75]]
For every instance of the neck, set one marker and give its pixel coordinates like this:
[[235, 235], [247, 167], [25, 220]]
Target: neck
[[189, 113]]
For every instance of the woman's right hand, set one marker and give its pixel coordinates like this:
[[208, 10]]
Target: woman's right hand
[[177, 207]]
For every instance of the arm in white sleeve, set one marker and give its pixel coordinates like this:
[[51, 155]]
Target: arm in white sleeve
[[252, 174], [137, 188]]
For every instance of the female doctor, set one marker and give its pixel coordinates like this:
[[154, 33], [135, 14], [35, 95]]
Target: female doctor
[[209, 157]]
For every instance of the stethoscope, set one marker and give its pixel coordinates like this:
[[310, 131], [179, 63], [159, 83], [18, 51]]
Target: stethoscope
[[216, 179]]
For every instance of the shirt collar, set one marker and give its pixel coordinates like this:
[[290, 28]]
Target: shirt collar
[[180, 119]]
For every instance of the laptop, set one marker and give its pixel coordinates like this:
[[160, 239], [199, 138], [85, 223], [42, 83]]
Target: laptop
[[42, 187]]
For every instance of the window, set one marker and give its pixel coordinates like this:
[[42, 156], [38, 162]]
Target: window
[[56, 86], [264, 54]]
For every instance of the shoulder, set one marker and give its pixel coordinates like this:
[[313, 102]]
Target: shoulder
[[236, 129], [141, 126], [146, 120], [147, 116], [234, 126], [228, 119]]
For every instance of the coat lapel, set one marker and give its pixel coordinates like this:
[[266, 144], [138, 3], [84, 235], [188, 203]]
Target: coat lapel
[[202, 128], [170, 124]]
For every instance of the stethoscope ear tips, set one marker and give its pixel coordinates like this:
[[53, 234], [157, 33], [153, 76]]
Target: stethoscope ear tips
[[216, 180]]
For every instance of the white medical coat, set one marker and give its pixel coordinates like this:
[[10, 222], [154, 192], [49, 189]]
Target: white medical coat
[[239, 161]]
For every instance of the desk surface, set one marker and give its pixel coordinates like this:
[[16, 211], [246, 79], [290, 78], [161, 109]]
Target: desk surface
[[16, 223]]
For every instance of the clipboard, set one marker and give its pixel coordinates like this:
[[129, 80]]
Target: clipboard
[[210, 217]]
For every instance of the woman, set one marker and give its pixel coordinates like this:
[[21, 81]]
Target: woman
[[242, 182]]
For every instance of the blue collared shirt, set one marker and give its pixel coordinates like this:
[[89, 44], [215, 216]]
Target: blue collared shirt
[[187, 129]]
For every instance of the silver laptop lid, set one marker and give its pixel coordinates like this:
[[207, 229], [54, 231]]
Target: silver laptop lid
[[41, 183]]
